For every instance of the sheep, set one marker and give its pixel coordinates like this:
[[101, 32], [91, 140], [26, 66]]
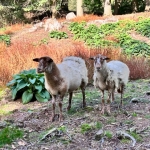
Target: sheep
[[63, 78], [109, 76]]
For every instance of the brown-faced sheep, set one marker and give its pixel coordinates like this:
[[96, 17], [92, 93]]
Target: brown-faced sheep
[[63, 78]]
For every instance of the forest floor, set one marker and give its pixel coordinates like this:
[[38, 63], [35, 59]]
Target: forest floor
[[82, 129]]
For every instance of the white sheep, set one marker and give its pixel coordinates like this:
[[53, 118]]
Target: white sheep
[[109, 76], [62, 78]]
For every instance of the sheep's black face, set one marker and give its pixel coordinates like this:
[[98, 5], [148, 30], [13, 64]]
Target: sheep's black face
[[99, 61], [45, 64]]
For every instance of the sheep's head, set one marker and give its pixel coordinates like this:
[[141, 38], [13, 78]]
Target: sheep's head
[[99, 61], [45, 64]]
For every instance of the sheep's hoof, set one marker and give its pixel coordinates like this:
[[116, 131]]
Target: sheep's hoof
[[120, 106], [102, 112], [108, 110], [61, 118], [68, 108], [84, 105], [52, 119]]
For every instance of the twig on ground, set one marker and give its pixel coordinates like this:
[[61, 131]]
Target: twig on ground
[[126, 135], [47, 133]]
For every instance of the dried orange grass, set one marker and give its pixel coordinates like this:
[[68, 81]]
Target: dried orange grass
[[13, 28], [19, 56], [87, 18], [139, 67]]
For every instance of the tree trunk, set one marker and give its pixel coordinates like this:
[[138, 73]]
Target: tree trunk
[[53, 8], [107, 8], [79, 8], [116, 8]]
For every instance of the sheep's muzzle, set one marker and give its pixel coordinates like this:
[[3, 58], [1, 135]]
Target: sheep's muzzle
[[39, 70]]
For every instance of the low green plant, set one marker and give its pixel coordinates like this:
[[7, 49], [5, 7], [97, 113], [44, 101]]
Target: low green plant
[[98, 125], [147, 116], [9, 134], [92, 35], [76, 27], [58, 35], [134, 114], [29, 84], [143, 27], [62, 129], [44, 41], [108, 134], [85, 128], [136, 136], [133, 47], [129, 122], [5, 38]]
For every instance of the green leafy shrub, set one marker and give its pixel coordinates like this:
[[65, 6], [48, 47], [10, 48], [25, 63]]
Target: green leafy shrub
[[85, 128], [143, 27], [133, 47], [92, 35], [58, 35], [5, 38], [28, 84], [108, 28], [9, 134]]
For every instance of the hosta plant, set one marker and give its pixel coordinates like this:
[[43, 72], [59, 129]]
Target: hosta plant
[[29, 85]]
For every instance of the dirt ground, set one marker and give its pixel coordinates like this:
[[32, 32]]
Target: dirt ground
[[42, 134]]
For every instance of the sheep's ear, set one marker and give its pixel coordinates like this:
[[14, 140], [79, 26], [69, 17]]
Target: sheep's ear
[[48, 59], [92, 58], [106, 58], [36, 59]]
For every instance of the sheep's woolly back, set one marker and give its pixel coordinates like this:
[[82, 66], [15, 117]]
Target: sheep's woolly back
[[77, 64], [119, 70]]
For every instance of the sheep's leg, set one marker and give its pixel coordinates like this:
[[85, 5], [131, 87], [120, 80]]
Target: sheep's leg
[[70, 98], [108, 102], [113, 97], [103, 103], [60, 111], [60, 99], [53, 107], [83, 94], [121, 92]]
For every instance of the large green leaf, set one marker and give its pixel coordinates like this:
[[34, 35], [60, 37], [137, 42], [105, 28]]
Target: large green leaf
[[40, 98], [41, 79], [11, 82], [21, 85], [46, 94], [27, 96], [39, 88], [14, 92], [17, 76], [32, 80]]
